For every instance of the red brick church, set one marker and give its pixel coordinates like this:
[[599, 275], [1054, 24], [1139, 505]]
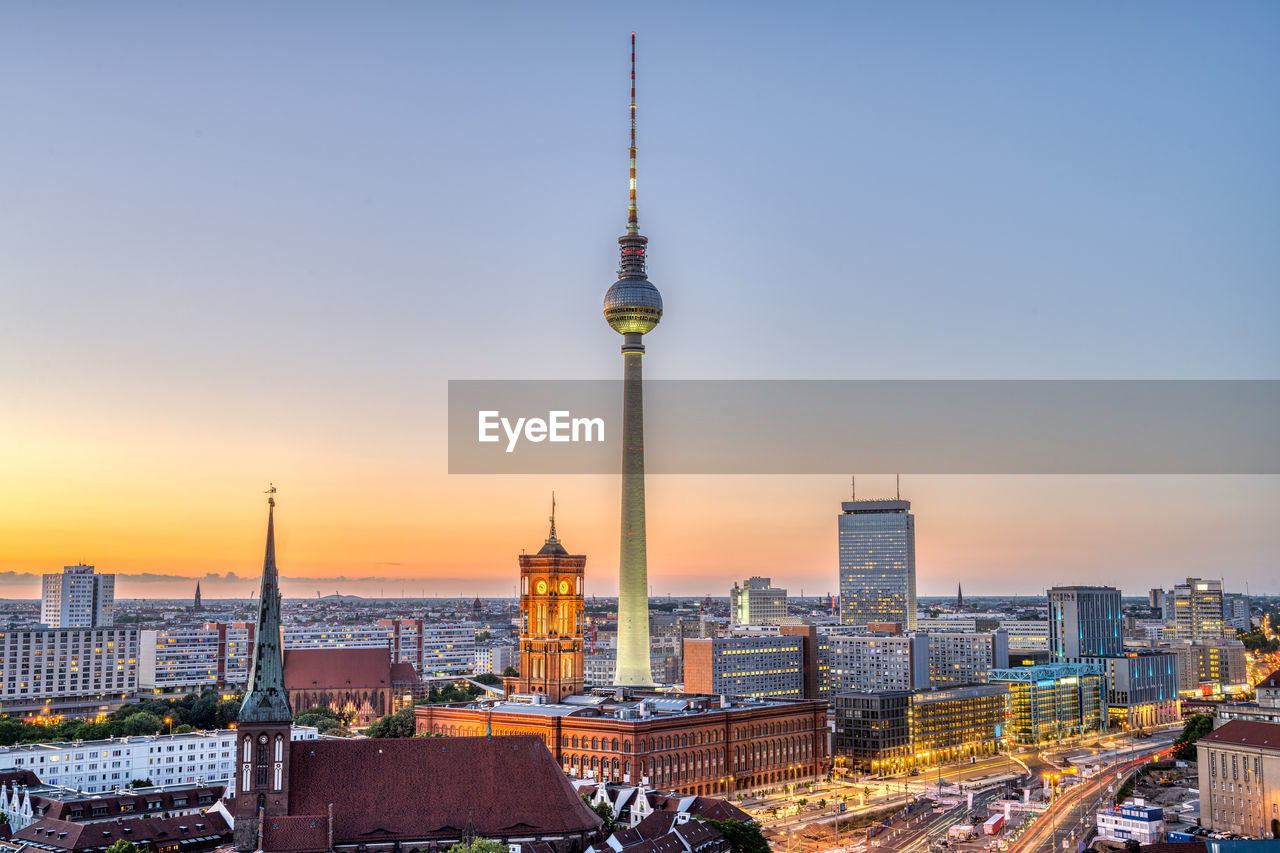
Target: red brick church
[[383, 796]]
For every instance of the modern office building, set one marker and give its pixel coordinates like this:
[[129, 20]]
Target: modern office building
[[757, 602], [1239, 764], [771, 665], [1235, 612], [1053, 701], [791, 663], [1142, 689], [600, 669], [1197, 610], [67, 671], [962, 658], [958, 723], [873, 731], [78, 598], [94, 766], [877, 541], [877, 662], [1026, 635], [1084, 622]]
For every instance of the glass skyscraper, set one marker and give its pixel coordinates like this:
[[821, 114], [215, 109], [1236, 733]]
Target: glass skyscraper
[[877, 563]]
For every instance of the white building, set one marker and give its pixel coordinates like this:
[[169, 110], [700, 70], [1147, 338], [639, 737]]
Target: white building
[[757, 602], [70, 670], [1136, 820], [1197, 610], [878, 662], [104, 765], [957, 658], [1026, 635], [78, 598], [187, 659], [494, 658]]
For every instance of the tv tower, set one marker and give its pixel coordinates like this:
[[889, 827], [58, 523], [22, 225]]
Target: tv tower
[[632, 308]]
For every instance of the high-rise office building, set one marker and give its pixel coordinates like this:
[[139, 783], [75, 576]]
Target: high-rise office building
[[877, 563], [632, 307], [757, 602], [1197, 610], [78, 598], [1084, 622]]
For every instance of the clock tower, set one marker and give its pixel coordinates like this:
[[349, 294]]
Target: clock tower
[[551, 621]]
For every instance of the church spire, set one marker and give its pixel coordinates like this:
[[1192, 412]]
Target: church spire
[[265, 699]]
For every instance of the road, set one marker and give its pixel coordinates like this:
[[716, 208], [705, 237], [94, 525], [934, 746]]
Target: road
[[1074, 809]]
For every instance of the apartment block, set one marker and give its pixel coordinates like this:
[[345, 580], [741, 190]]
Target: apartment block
[[67, 670], [965, 658], [876, 662]]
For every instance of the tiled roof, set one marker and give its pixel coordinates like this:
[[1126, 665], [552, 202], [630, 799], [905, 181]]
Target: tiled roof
[[507, 785], [403, 673], [21, 777], [308, 669], [1246, 733], [69, 835], [711, 808], [1272, 680], [82, 808], [302, 834]]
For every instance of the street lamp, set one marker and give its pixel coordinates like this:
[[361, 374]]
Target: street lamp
[[168, 721]]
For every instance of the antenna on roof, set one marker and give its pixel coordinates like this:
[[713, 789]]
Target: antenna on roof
[[853, 487], [898, 478]]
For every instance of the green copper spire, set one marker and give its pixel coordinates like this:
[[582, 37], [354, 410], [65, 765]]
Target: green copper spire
[[265, 699]]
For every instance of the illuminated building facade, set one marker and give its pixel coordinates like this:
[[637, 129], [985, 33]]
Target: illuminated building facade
[[78, 598], [873, 731], [876, 662], [551, 622], [786, 665], [1197, 610], [757, 602], [957, 658], [700, 745], [1054, 700], [1084, 621], [955, 724], [1142, 689], [68, 670], [877, 541]]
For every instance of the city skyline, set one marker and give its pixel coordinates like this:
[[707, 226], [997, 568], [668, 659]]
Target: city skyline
[[197, 309]]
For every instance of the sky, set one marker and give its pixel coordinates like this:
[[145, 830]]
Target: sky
[[243, 244]]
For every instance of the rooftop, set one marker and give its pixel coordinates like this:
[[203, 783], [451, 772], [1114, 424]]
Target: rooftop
[[1246, 733]]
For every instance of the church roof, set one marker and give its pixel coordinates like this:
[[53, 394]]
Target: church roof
[[306, 669], [265, 699], [504, 786]]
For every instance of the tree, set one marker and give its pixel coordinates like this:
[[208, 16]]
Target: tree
[[476, 845], [489, 678], [605, 812], [1184, 747], [123, 846], [399, 724], [142, 723], [510, 672], [141, 783], [742, 837], [321, 716]]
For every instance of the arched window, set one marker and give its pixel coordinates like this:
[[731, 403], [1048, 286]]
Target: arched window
[[595, 744], [614, 745]]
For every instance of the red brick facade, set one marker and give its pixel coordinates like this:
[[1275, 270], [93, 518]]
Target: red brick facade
[[716, 751]]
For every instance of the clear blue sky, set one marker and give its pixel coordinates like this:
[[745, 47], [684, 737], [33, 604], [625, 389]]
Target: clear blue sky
[[269, 234]]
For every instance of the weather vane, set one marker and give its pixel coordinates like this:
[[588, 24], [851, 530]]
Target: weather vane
[[271, 501]]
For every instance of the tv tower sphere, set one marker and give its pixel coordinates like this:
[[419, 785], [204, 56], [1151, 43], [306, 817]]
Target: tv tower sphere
[[632, 305]]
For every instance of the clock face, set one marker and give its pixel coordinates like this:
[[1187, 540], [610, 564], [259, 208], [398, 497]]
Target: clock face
[[564, 587], [540, 587]]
